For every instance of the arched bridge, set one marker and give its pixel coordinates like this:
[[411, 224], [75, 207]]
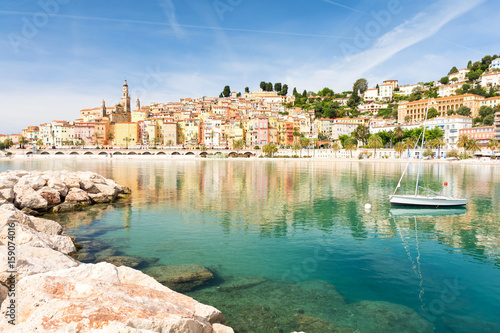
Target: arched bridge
[[140, 152]]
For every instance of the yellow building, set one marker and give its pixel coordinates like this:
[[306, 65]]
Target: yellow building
[[125, 134], [137, 116], [416, 110]]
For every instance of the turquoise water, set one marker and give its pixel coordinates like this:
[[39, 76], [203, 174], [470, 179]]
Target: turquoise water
[[298, 223]]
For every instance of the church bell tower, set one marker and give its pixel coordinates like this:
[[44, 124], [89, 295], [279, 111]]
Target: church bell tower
[[125, 102]]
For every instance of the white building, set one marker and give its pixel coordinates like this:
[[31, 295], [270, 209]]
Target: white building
[[372, 107], [391, 127], [491, 102], [448, 89], [451, 126], [408, 89], [490, 80], [371, 94], [495, 64], [342, 128], [386, 91], [460, 76]]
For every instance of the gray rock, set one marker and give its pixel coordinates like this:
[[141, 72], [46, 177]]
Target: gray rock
[[124, 261], [7, 194], [79, 196], [27, 197], [184, 277], [52, 196]]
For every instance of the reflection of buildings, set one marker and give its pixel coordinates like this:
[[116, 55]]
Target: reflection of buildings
[[275, 198]]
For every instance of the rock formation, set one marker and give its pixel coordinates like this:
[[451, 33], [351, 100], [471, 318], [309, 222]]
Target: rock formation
[[56, 293], [57, 191]]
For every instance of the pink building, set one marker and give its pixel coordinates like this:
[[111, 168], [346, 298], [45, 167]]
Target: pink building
[[85, 132], [262, 129]]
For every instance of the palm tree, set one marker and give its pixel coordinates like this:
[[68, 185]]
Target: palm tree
[[22, 142], [270, 149], [239, 144], [304, 143], [409, 143], [336, 146], [399, 133], [463, 142], [473, 146], [350, 145], [437, 143], [493, 145], [39, 142], [375, 141], [399, 148]]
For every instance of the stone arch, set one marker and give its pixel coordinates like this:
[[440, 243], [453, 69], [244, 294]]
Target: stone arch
[[161, 153], [248, 154], [59, 153], [233, 154], [74, 153], [146, 153], [103, 153], [203, 154], [29, 153], [175, 153], [117, 153], [88, 153], [132, 153], [45, 153], [189, 153]]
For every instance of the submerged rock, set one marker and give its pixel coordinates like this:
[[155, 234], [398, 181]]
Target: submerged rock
[[125, 261], [184, 277], [311, 324], [378, 316], [242, 283]]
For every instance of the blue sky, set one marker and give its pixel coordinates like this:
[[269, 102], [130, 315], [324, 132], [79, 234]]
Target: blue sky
[[60, 56]]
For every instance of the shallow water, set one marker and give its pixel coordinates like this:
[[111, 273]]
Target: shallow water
[[301, 224]]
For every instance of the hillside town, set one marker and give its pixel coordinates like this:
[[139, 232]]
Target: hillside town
[[463, 104]]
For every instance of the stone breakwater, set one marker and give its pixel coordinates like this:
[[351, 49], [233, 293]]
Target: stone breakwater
[[56, 293], [57, 191]]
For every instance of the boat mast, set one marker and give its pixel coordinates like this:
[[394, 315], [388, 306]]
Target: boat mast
[[422, 147]]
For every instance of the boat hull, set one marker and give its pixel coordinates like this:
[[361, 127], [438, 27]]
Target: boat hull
[[426, 201]]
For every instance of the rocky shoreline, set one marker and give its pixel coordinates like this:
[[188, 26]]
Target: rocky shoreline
[[55, 292]]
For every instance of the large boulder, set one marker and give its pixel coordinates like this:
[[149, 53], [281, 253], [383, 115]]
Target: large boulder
[[79, 196], [35, 181], [52, 196], [27, 197], [55, 182], [34, 260], [7, 194], [8, 181], [184, 277], [73, 300]]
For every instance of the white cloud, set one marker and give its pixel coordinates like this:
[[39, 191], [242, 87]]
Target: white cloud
[[419, 28]]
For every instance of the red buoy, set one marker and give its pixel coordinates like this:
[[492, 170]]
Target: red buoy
[[445, 183]]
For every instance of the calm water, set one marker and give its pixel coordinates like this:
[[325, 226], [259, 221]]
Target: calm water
[[297, 222]]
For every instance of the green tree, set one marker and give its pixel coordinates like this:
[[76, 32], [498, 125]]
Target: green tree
[[284, 91], [39, 142], [263, 85], [464, 111], [354, 100], [304, 93], [463, 142], [398, 134], [409, 143], [489, 120], [304, 142], [438, 143], [399, 148], [360, 86], [336, 147], [375, 142], [239, 144], [227, 91], [295, 93], [22, 142], [277, 87], [445, 80], [343, 138], [453, 70], [247, 90], [361, 133], [473, 146], [350, 145], [469, 65], [270, 149], [450, 112], [433, 113], [428, 152], [8, 143], [493, 144], [269, 86], [296, 147]]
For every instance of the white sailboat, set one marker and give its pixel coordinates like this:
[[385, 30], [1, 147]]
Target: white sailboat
[[432, 199]]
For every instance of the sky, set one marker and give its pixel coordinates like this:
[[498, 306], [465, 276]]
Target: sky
[[60, 56]]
